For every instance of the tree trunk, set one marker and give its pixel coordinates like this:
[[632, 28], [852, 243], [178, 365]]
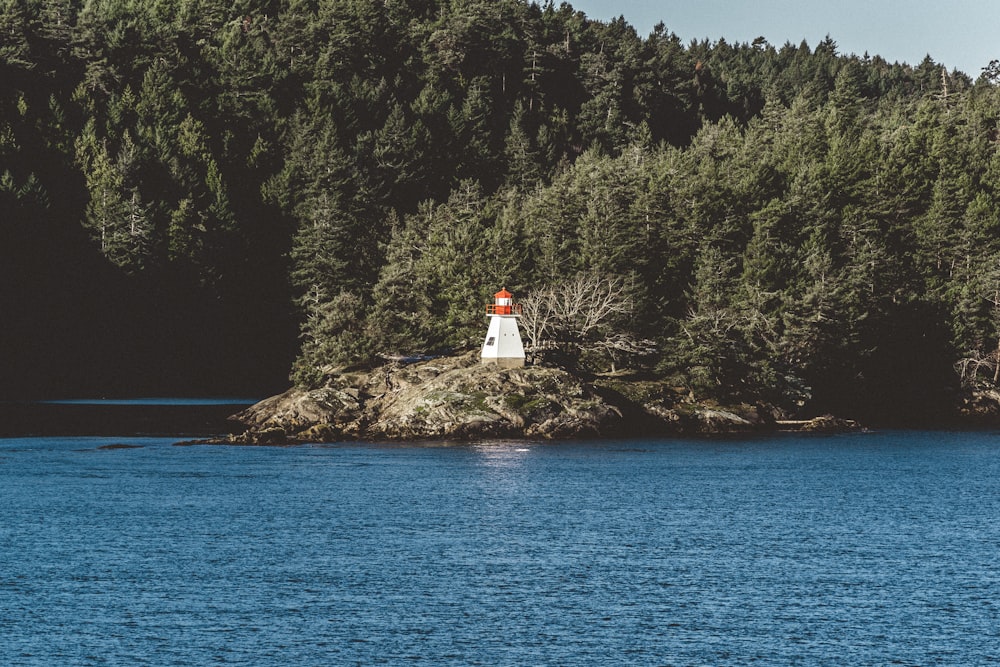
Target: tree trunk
[[996, 366]]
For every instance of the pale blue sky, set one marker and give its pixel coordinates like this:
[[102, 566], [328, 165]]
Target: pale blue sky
[[961, 34]]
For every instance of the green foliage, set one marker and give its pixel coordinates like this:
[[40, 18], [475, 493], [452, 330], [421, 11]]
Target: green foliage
[[376, 170], [332, 336]]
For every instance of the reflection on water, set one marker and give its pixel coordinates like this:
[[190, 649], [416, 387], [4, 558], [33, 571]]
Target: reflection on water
[[151, 401], [134, 416], [502, 454]]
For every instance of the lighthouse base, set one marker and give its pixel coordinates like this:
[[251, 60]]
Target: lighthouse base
[[504, 362]]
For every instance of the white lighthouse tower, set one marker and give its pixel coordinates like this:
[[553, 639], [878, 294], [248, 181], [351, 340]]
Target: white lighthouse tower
[[503, 340]]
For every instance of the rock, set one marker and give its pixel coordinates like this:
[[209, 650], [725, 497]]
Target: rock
[[722, 421], [457, 397], [296, 408], [822, 424], [463, 400], [980, 404]]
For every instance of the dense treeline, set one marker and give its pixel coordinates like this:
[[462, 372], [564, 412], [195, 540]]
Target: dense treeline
[[186, 183]]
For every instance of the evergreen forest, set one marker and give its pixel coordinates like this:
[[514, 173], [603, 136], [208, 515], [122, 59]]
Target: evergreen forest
[[212, 196]]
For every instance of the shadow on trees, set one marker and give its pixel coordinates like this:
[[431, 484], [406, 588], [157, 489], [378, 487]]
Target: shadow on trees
[[905, 378], [75, 325]]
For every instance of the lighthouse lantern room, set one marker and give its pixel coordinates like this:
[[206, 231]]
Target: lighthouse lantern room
[[503, 339]]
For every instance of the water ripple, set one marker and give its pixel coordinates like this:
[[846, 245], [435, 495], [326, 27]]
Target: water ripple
[[867, 549]]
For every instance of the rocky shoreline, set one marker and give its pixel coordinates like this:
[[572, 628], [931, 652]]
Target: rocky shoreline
[[459, 398]]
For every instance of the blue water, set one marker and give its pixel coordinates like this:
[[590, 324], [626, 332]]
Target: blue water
[[865, 549]]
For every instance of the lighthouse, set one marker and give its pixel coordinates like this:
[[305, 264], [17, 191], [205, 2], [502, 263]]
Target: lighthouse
[[503, 340]]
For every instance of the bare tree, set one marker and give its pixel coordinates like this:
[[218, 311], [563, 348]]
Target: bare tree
[[579, 315], [990, 290], [968, 367], [994, 300], [620, 346], [538, 318], [590, 302]]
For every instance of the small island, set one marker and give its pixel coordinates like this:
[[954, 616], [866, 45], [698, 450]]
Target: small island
[[495, 394], [459, 398]]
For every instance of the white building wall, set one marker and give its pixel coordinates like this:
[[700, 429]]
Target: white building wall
[[503, 341]]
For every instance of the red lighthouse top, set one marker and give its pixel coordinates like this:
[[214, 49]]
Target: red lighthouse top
[[503, 304]]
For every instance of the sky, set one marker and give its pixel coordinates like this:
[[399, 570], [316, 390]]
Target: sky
[[960, 34]]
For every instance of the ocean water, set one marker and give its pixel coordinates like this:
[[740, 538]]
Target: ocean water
[[861, 549]]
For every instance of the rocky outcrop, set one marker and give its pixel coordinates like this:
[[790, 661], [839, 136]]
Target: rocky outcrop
[[979, 404], [446, 398], [822, 424], [460, 398]]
